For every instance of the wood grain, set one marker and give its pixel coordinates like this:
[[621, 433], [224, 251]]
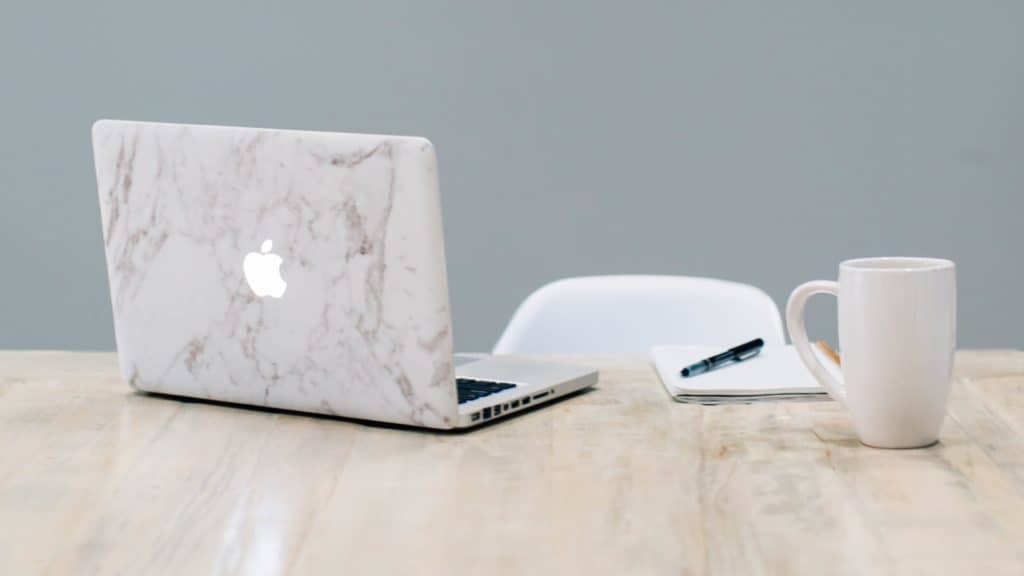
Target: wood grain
[[97, 479]]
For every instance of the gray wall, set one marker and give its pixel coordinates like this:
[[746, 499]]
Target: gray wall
[[760, 142]]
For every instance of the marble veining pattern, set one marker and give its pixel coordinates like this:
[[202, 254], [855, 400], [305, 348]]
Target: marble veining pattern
[[363, 329]]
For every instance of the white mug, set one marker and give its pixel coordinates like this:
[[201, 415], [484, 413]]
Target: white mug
[[897, 335]]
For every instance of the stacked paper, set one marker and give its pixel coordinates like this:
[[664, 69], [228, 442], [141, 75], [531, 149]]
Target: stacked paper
[[775, 374]]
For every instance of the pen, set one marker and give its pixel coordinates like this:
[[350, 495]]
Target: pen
[[741, 352]]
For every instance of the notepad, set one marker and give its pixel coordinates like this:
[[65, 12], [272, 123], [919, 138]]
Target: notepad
[[777, 373]]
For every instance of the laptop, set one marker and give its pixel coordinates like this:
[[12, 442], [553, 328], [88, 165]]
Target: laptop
[[294, 270]]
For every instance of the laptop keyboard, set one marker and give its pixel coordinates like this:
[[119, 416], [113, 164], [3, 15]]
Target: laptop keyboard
[[470, 389]]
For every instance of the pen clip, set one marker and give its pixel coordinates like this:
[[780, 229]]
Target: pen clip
[[748, 354]]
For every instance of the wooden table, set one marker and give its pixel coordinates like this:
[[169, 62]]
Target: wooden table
[[95, 478]]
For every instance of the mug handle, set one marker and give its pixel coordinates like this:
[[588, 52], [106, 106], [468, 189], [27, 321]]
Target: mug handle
[[798, 334]]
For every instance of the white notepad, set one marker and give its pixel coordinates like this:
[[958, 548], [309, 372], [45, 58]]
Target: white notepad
[[776, 373]]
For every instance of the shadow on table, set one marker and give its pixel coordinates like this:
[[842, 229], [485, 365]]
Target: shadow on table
[[369, 423]]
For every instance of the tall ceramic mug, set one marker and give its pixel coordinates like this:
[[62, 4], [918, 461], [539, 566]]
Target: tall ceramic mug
[[897, 335]]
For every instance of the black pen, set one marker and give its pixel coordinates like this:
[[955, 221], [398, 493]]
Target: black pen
[[737, 354]]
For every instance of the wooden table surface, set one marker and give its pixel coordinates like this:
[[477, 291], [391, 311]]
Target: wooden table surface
[[97, 479]]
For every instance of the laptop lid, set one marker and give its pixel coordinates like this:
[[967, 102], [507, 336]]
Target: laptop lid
[[290, 269]]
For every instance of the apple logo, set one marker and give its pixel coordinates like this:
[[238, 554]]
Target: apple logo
[[263, 271]]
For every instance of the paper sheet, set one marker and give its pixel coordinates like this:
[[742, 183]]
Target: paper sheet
[[775, 374]]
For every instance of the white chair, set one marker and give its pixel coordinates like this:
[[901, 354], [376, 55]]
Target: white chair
[[629, 314]]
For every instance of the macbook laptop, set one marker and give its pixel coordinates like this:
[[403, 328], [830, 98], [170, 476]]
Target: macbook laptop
[[294, 270]]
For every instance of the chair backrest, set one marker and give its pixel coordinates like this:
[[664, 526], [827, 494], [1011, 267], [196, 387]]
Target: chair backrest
[[629, 314]]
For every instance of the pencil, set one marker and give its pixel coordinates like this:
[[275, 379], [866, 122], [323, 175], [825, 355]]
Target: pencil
[[824, 347]]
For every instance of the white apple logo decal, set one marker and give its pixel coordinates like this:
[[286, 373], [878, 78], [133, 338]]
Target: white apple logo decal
[[263, 271]]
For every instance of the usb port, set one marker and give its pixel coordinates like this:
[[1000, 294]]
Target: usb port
[[515, 403], [526, 401]]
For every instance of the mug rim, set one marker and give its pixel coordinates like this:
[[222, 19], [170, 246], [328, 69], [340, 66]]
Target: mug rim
[[884, 264]]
